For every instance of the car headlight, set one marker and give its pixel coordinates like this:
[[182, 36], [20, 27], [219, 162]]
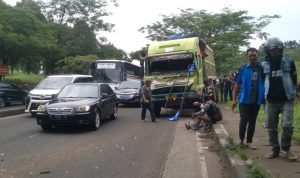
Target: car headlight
[[41, 108], [82, 108]]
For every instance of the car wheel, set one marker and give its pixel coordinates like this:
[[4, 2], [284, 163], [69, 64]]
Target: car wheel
[[46, 127], [97, 121], [2, 102], [114, 116]]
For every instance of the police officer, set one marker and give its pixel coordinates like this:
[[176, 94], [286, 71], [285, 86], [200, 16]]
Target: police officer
[[280, 89]]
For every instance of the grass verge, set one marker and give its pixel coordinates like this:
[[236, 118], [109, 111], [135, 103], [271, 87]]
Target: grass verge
[[234, 149], [256, 171]]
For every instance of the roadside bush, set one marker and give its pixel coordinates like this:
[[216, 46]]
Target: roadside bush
[[27, 81]]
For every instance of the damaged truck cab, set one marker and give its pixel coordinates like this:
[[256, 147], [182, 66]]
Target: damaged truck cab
[[167, 64]]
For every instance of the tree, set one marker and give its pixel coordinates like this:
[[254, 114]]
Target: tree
[[76, 65], [109, 51], [68, 12], [225, 32], [291, 44], [83, 40]]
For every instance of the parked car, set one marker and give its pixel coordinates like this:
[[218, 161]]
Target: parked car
[[11, 93], [128, 92], [79, 104], [49, 86]]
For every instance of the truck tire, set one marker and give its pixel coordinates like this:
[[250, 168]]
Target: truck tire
[[157, 109]]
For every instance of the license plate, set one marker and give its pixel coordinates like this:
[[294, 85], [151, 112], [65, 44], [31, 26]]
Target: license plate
[[124, 97], [58, 117]]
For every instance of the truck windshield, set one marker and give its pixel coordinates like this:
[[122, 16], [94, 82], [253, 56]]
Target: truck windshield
[[108, 75], [54, 82], [169, 65]]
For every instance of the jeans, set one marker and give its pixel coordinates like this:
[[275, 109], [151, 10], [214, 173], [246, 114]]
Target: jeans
[[227, 92], [273, 110], [248, 115], [148, 106]]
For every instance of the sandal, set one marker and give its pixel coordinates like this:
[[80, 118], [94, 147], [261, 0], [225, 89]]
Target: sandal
[[272, 155], [291, 156]]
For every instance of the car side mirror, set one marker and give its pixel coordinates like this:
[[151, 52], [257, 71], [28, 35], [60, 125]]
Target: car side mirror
[[104, 94]]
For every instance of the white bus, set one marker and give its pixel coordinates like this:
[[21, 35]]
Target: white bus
[[115, 71]]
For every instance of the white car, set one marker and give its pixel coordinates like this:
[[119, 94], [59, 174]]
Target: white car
[[49, 86]]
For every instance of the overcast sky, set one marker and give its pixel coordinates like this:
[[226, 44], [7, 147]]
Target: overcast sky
[[133, 14]]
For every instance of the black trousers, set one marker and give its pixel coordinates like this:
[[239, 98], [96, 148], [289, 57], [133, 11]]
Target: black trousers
[[148, 106], [248, 115]]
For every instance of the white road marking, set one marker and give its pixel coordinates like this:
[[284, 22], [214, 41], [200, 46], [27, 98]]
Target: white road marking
[[9, 117], [202, 161]]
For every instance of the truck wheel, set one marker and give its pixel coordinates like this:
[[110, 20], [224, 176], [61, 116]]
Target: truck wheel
[[157, 109]]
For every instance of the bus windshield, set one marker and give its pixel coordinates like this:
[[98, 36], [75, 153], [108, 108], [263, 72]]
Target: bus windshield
[[108, 75]]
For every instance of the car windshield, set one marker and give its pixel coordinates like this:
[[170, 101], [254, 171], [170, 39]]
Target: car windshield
[[129, 84], [79, 91], [54, 82]]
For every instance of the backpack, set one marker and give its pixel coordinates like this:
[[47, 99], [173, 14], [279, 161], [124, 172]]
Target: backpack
[[213, 112]]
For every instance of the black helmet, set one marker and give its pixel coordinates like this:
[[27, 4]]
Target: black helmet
[[273, 43]]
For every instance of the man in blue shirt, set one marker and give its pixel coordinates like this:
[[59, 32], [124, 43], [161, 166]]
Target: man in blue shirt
[[249, 89]]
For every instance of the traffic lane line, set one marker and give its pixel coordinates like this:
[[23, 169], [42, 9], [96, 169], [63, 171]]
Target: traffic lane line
[[15, 116]]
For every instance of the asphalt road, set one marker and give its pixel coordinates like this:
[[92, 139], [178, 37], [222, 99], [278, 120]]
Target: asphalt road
[[126, 147]]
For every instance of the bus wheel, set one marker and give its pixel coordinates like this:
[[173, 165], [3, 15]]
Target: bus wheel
[[157, 110]]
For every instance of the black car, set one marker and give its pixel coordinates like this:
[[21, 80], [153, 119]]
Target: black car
[[128, 91], [79, 104], [11, 93]]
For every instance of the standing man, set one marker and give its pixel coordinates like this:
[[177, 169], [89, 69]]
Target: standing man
[[146, 100], [250, 88], [280, 90], [227, 88]]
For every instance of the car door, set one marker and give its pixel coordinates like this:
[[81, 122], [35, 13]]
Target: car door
[[16, 93], [7, 92], [104, 101], [112, 99]]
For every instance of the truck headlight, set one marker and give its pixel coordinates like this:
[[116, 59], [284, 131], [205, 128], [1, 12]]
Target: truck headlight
[[82, 108], [41, 108]]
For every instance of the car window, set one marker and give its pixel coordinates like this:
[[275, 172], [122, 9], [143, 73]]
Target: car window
[[103, 90], [54, 82], [109, 90], [5, 85]]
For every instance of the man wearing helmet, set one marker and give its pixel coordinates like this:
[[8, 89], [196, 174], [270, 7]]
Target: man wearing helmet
[[280, 89]]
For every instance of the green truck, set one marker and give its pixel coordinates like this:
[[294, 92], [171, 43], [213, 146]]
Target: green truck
[[167, 64]]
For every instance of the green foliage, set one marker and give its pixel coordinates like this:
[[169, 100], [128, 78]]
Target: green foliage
[[68, 12], [75, 65], [82, 40], [24, 79], [36, 34], [109, 51], [257, 171], [235, 149]]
